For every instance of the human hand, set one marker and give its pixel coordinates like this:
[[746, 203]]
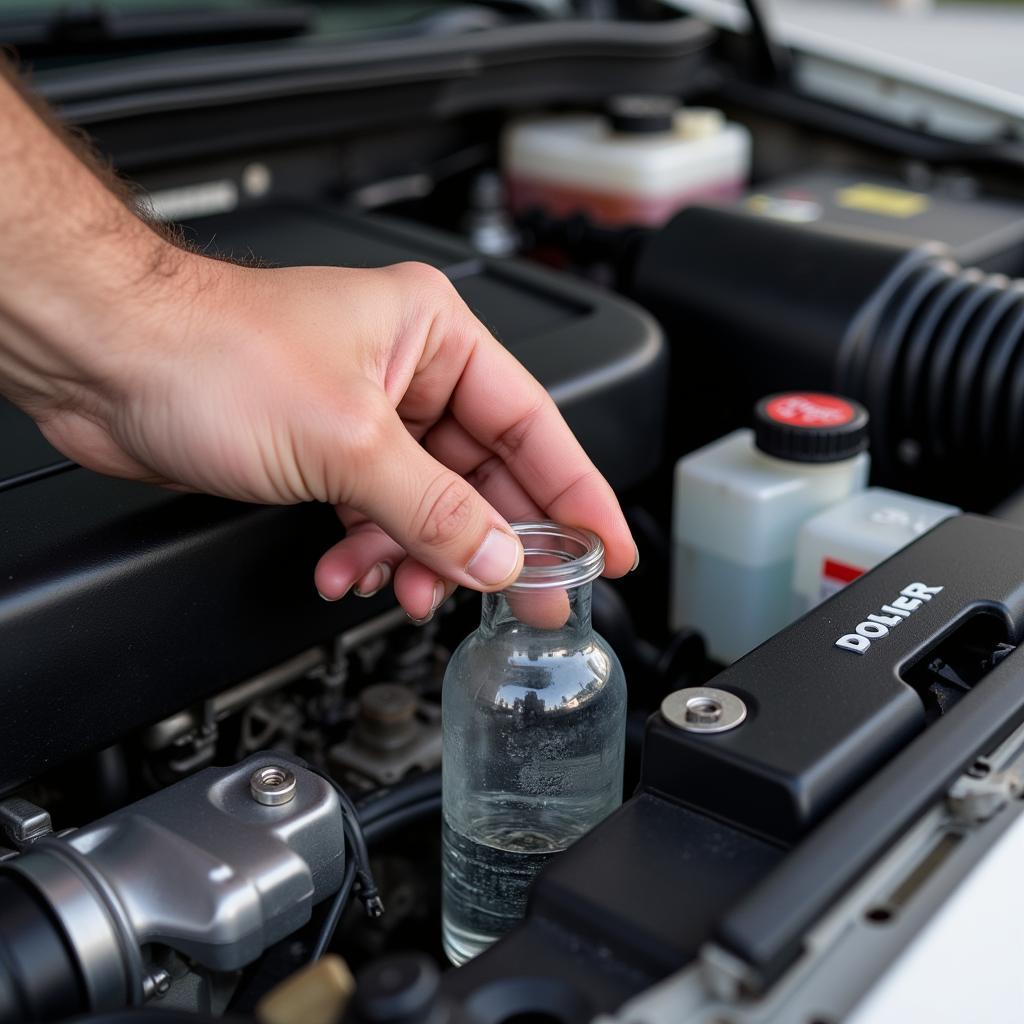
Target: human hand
[[376, 391]]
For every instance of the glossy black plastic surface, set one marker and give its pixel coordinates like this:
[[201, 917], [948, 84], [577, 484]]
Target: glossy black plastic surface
[[122, 603], [822, 717], [645, 890]]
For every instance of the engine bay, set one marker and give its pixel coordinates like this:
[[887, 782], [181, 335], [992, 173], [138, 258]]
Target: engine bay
[[190, 736]]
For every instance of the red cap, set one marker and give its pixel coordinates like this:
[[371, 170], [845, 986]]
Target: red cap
[[808, 426]]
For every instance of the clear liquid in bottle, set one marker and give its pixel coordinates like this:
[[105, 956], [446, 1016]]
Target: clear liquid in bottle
[[534, 723]]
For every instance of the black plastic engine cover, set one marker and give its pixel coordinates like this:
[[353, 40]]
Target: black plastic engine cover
[[825, 709], [681, 864], [122, 603]]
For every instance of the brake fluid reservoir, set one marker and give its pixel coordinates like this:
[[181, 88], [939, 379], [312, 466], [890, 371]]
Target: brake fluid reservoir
[[640, 164], [533, 717], [843, 542], [738, 506]]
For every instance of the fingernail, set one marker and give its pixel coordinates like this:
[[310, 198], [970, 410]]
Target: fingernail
[[636, 559], [436, 601], [376, 579], [331, 600], [496, 558]]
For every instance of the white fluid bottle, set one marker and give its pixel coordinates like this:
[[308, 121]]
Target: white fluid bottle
[[639, 164], [845, 541], [738, 506]]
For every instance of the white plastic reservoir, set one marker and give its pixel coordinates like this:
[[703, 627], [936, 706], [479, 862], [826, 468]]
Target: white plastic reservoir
[[845, 541], [738, 506], [638, 165]]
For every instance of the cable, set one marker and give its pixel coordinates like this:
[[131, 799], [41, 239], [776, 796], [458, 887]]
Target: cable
[[382, 802], [358, 868], [338, 905], [359, 855], [384, 825], [357, 871], [773, 59], [376, 817]]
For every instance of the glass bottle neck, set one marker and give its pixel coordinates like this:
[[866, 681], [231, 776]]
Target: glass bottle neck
[[564, 612]]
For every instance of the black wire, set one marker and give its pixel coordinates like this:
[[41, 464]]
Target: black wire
[[330, 925], [358, 866], [773, 59], [354, 834], [374, 818], [383, 826], [382, 802], [31, 475], [381, 816]]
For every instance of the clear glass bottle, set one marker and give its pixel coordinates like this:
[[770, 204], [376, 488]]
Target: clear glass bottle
[[534, 716]]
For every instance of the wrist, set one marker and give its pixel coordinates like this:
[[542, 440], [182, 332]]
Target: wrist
[[72, 337]]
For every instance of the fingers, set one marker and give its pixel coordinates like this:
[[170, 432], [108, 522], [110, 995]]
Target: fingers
[[420, 591], [433, 513], [367, 560], [465, 370], [511, 415], [449, 443], [364, 562], [542, 609]]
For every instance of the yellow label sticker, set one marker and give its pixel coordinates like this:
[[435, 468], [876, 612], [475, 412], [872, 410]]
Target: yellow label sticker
[[886, 202]]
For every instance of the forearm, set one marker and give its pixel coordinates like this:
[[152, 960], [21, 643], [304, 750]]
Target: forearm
[[75, 261]]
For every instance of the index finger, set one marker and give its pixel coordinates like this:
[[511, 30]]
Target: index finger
[[505, 408]]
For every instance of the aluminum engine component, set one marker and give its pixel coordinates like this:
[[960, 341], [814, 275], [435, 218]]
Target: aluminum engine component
[[704, 709], [395, 732], [201, 867], [272, 785]]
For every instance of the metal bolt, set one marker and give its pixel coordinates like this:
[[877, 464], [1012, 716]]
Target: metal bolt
[[703, 709], [156, 983], [272, 785]]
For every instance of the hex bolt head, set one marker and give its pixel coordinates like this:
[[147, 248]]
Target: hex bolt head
[[156, 983], [272, 785], [703, 709]]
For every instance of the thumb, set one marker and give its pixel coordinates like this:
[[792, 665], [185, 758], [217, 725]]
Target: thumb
[[436, 515]]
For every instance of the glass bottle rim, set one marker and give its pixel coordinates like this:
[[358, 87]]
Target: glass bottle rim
[[580, 551]]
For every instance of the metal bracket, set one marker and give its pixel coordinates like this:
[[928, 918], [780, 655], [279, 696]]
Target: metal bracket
[[724, 975], [24, 822], [981, 793]]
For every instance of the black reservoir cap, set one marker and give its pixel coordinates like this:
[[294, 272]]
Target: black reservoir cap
[[642, 114], [809, 426]]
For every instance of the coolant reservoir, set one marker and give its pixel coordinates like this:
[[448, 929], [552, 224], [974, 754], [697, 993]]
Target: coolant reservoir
[[534, 719], [738, 506], [638, 165], [845, 541]]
